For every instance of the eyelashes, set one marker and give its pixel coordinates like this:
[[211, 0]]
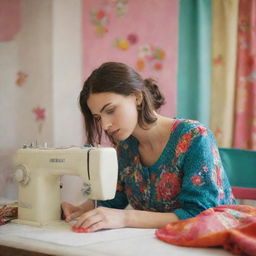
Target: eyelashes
[[110, 111]]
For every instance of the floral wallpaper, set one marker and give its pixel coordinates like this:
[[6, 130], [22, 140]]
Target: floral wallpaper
[[143, 34]]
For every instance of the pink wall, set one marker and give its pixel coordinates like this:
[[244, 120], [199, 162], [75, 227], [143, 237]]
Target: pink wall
[[151, 22], [9, 19]]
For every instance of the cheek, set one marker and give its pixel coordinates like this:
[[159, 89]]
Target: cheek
[[130, 117]]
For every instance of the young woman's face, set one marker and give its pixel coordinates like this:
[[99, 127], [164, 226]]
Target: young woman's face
[[116, 113]]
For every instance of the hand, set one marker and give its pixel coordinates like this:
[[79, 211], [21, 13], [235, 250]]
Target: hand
[[70, 211], [101, 218]]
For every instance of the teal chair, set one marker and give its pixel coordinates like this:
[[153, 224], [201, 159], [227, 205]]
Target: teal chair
[[240, 166]]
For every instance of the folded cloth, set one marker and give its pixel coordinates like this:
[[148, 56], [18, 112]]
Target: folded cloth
[[8, 213], [231, 226]]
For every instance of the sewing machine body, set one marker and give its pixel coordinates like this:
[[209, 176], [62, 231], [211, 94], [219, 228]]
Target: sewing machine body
[[38, 171]]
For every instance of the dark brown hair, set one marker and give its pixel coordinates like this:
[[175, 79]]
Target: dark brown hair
[[115, 77]]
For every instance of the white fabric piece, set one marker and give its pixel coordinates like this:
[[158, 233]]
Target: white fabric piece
[[70, 238]]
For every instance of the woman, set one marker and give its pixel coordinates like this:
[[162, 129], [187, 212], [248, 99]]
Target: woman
[[169, 169]]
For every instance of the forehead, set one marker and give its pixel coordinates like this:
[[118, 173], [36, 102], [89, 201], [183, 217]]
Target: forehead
[[96, 101]]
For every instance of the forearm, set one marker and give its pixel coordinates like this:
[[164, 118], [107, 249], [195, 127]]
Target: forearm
[[146, 219]]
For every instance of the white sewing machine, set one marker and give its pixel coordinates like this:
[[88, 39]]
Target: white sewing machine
[[38, 172]]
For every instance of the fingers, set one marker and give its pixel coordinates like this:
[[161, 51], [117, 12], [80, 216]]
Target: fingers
[[73, 216], [88, 219], [98, 226], [101, 218], [66, 207], [70, 211]]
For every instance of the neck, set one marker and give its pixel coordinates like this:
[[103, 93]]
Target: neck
[[154, 134]]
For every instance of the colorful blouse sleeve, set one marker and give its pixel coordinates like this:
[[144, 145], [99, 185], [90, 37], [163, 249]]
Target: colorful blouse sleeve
[[204, 180], [120, 200]]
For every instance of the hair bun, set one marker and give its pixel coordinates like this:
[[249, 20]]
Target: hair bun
[[157, 96]]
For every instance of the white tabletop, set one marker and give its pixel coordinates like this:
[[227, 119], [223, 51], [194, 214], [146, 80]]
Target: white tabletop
[[118, 242]]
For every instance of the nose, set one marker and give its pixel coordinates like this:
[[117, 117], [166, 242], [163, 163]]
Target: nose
[[105, 123]]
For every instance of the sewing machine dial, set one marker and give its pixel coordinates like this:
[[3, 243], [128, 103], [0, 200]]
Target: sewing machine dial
[[21, 174]]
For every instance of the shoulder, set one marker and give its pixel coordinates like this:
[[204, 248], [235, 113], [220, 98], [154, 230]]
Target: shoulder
[[192, 127], [192, 137], [190, 133]]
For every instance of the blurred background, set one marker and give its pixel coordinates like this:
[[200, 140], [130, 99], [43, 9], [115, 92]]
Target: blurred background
[[201, 52]]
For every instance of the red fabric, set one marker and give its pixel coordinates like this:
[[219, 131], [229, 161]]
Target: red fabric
[[231, 226]]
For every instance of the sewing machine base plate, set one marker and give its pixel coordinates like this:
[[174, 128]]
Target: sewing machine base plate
[[56, 225]]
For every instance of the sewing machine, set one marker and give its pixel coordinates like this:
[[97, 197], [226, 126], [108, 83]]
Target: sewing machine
[[38, 171]]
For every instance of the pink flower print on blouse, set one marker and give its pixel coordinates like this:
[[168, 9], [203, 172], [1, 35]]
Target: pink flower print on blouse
[[136, 160], [138, 176], [153, 177], [168, 187], [218, 176], [119, 187], [183, 144], [128, 191], [202, 130], [197, 180], [143, 188], [128, 171]]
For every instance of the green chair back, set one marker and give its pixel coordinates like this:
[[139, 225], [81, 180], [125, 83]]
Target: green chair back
[[240, 166]]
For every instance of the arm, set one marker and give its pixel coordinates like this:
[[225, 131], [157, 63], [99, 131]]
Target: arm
[[204, 182], [104, 218], [146, 219]]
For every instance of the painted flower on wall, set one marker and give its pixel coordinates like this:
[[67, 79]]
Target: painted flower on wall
[[100, 19], [121, 7], [21, 78], [40, 113], [40, 117], [152, 56], [124, 44], [132, 38]]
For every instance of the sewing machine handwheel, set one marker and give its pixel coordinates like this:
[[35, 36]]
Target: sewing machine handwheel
[[21, 174]]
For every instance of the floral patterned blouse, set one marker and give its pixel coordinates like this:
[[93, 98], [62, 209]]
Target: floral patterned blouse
[[187, 179]]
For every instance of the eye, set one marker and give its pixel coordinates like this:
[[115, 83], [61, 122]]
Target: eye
[[110, 111]]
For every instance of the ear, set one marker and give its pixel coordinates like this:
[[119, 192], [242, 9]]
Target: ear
[[139, 97]]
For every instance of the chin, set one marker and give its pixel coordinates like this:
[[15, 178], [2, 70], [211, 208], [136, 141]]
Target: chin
[[122, 137]]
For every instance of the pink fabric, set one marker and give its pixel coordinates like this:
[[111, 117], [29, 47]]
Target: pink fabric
[[231, 226], [9, 19], [245, 107]]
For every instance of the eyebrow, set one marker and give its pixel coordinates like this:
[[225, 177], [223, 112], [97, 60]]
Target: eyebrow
[[104, 107]]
